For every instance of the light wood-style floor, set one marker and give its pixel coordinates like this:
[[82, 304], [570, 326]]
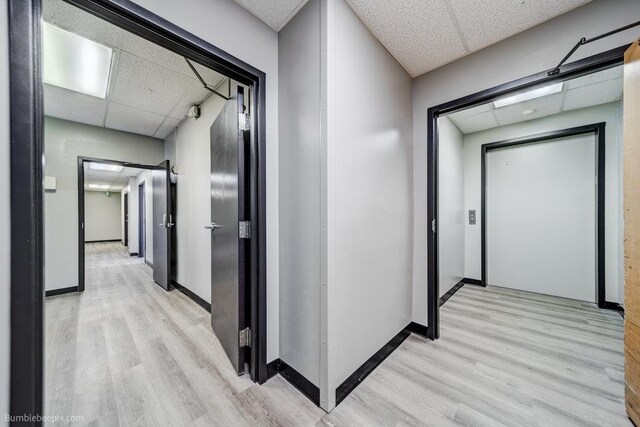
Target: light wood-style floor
[[125, 352]]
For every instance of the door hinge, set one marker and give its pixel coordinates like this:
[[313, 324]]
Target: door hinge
[[244, 336], [433, 225], [244, 229], [245, 121]]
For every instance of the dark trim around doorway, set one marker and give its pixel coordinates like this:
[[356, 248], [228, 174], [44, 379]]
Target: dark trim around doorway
[[601, 61], [81, 219], [599, 130], [26, 174]]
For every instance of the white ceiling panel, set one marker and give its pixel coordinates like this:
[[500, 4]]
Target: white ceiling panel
[[141, 84], [195, 95], [544, 106], [167, 126], [158, 55], [274, 13], [484, 23], [420, 34], [589, 79], [471, 111], [476, 123], [72, 19], [595, 94], [122, 117], [75, 106]]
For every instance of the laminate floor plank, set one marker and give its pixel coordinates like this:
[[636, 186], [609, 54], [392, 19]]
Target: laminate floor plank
[[126, 352]]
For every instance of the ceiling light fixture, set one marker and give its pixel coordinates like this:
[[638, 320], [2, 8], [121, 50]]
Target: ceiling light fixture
[[74, 62], [99, 186], [106, 167], [531, 94]]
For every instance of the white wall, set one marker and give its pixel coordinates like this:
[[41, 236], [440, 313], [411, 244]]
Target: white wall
[[229, 27], [5, 216], [300, 174], [609, 113], [133, 189], [368, 195], [102, 216], [537, 49], [189, 147], [451, 205], [64, 142]]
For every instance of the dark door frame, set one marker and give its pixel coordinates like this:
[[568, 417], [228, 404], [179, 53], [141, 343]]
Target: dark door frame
[[81, 217], [591, 64], [125, 219], [27, 192], [599, 130], [142, 221]]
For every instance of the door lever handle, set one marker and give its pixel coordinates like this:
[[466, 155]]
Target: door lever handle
[[212, 226]]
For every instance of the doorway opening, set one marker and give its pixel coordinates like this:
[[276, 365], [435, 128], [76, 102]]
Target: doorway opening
[[510, 101], [142, 223], [25, 28]]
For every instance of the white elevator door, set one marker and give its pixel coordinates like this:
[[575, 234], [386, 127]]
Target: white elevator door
[[541, 217]]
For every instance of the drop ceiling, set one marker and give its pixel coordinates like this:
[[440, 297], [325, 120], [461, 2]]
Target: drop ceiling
[[150, 89], [117, 180], [588, 91], [423, 35]]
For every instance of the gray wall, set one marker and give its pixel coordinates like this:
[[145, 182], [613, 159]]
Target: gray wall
[[231, 28], [64, 142], [609, 113], [102, 216], [451, 204], [300, 174], [5, 243], [368, 196], [534, 50], [189, 149]]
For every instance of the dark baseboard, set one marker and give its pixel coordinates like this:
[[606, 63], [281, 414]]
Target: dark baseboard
[[614, 306], [134, 254], [468, 281], [450, 293], [148, 263], [202, 303], [296, 379], [419, 329], [273, 368], [367, 367], [54, 292], [103, 241]]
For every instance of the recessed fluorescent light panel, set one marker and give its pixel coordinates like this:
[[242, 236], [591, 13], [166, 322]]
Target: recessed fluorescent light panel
[[105, 167], [525, 96], [99, 186], [74, 62]]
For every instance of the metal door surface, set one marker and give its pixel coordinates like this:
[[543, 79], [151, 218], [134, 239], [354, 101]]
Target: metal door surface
[[228, 145], [162, 224]]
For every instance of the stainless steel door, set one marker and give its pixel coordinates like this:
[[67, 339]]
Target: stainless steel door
[[162, 223], [228, 145]]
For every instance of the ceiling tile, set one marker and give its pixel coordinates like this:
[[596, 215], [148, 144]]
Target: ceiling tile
[[420, 34], [145, 49], [541, 107], [471, 111], [274, 13], [122, 117], [594, 94], [589, 79], [195, 95], [486, 22], [166, 127], [70, 18], [142, 84], [75, 106], [477, 122]]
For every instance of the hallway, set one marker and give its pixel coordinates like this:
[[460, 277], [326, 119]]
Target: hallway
[[126, 352]]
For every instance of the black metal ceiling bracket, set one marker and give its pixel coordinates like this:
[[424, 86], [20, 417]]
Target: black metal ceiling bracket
[[585, 40], [204, 84]]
